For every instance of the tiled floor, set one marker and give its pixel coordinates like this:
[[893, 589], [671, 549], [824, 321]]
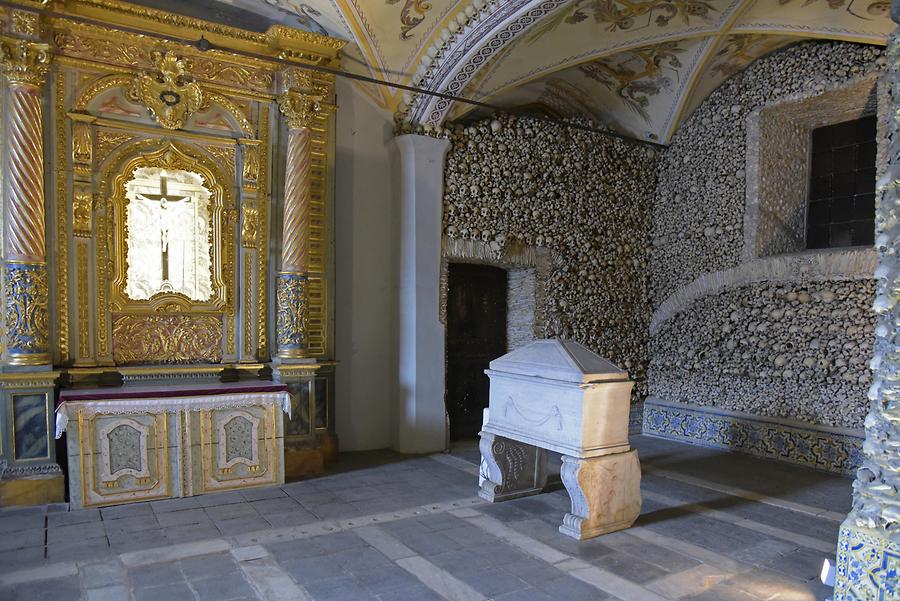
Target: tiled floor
[[714, 526]]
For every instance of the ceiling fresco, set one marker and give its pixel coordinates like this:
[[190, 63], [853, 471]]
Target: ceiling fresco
[[639, 67]]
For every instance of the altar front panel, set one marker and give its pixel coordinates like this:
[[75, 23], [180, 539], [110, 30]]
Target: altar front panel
[[236, 448], [115, 458], [177, 449]]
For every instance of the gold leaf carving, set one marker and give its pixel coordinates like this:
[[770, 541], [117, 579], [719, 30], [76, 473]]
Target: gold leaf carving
[[25, 290], [256, 79], [103, 50], [303, 99], [24, 23], [84, 342], [107, 141], [167, 339], [24, 62], [223, 154], [250, 227], [251, 165], [170, 96], [82, 210], [82, 145]]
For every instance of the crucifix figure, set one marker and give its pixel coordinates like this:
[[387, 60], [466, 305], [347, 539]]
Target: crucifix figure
[[164, 198]]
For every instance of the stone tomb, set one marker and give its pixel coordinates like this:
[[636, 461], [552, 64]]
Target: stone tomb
[[556, 395]]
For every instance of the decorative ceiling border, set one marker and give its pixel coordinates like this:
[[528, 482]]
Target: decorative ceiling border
[[468, 49]]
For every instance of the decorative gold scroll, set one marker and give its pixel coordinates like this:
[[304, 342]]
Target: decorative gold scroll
[[167, 339]]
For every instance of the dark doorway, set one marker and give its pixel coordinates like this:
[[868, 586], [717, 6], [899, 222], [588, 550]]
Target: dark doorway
[[476, 335]]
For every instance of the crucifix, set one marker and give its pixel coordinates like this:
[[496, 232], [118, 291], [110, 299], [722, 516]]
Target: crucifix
[[164, 198]]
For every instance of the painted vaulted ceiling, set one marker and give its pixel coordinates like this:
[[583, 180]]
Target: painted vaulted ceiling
[[638, 66]]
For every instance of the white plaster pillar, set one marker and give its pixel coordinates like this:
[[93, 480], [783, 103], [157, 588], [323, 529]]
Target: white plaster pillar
[[420, 414]]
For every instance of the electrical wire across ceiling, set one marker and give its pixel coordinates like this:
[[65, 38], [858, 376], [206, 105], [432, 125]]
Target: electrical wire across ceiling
[[205, 45]]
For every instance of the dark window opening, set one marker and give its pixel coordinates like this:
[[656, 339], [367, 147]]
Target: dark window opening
[[841, 208]]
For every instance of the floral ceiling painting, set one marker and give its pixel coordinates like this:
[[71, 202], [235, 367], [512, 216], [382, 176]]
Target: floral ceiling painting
[[638, 66]]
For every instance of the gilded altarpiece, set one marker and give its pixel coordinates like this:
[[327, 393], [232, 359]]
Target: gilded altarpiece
[[122, 103], [154, 173]]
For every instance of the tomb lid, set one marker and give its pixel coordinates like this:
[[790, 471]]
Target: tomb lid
[[559, 360]]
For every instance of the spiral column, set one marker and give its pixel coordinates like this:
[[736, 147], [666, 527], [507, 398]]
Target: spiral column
[[25, 288], [300, 103]]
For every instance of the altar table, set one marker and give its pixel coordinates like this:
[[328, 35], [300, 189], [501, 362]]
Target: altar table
[[144, 443]]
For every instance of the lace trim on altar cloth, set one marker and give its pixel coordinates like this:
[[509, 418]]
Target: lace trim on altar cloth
[[169, 405]]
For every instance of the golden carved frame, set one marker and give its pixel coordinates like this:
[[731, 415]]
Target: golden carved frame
[[171, 155], [92, 59]]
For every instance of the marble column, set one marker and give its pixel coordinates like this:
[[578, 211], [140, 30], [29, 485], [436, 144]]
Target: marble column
[[30, 474], [868, 557], [300, 103], [25, 291], [420, 416]]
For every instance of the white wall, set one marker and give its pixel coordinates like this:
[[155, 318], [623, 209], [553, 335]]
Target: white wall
[[365, 233]]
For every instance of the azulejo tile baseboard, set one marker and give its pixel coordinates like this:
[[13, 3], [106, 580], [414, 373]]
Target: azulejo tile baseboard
[[636, 418], [818, 447]]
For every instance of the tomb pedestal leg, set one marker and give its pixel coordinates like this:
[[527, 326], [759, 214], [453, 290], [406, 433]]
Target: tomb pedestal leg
[[513, 469], [605, 492]]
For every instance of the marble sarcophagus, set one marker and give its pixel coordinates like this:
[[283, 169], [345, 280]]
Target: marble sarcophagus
[[556, 395]]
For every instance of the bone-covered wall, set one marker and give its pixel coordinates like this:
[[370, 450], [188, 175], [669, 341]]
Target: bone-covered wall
[[786, 338], [515, 186]]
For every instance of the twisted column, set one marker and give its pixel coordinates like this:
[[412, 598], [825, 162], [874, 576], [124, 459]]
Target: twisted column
[[294, 250], [301, 103], [869, 542], [25, 289]]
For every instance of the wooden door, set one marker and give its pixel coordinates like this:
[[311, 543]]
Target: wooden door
[[476, 335]]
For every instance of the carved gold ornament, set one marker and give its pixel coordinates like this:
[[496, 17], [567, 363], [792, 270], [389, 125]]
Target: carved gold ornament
[[250, 227], [291, 314], [170, 96], [24, 22], [167, 339], [24, 62], [303, 99], [26, 298], [251, 164], [82, 210]]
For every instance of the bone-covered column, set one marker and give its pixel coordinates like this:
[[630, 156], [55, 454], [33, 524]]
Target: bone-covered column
[[25, 292], [869, 540], [301, 102]]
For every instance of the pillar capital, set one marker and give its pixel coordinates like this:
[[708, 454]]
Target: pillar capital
[[302, 99], [24, 62]]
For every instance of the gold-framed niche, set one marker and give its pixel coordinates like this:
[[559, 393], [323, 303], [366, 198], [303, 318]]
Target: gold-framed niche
[[157, 315], [124, 91], [112, 113]]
